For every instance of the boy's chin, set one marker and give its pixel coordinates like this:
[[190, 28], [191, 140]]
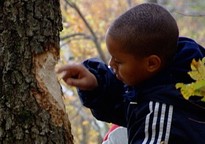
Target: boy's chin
[[131, 83], [128, 83]]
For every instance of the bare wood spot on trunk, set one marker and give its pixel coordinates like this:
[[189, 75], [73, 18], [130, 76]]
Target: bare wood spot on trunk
[[50, 96]]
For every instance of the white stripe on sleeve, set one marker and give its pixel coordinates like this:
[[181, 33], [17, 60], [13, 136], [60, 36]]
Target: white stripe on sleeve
[[161, 123], [147, 122], [157, 130], [156, 110], [169, 122]]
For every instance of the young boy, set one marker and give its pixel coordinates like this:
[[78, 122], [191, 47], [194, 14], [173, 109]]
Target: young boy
[[138, 91]]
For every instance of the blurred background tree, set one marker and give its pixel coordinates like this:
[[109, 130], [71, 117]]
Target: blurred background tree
[[85, 24]]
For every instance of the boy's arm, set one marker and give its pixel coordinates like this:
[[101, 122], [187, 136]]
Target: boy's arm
[[106, 101], [153, 123], [165, 117]]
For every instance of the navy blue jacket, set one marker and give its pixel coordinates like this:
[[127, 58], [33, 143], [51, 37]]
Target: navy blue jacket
[[155, 111]]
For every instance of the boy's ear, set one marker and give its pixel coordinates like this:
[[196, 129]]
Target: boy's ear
[[153, 63]]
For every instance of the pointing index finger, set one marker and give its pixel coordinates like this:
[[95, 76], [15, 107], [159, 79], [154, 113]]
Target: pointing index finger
[[62, 68]]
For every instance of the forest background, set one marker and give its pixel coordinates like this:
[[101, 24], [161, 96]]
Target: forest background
[[84, 26]]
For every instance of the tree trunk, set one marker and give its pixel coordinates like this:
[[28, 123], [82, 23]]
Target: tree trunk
[[31, 105]]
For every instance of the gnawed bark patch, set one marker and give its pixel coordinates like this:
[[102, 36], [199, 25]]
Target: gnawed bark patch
[[49, 96]]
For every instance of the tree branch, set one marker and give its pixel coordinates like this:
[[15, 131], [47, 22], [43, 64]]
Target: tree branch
[[95, 39], [190, 14], [75, 35]]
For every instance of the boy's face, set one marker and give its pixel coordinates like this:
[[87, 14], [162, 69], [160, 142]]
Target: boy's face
[[128, 68]]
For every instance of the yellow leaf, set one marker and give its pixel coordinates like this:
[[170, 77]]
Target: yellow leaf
[[196, 88], [198, 70]]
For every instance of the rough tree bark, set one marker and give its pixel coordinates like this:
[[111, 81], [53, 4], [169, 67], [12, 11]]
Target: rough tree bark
[[31, 106]]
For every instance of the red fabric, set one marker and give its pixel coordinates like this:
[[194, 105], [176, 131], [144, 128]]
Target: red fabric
[[113, 127]]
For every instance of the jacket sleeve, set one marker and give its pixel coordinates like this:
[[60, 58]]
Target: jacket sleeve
[[165, 117], [154, 124], [106, 101]]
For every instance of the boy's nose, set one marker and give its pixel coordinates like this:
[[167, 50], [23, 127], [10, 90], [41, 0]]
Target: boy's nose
[[111, 63]]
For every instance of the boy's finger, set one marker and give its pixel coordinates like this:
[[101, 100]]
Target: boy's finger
[[71, 82], [62, 68], [76, 83]]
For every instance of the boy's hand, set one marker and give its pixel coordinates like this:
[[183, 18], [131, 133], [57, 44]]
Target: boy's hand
[[77, 75]]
